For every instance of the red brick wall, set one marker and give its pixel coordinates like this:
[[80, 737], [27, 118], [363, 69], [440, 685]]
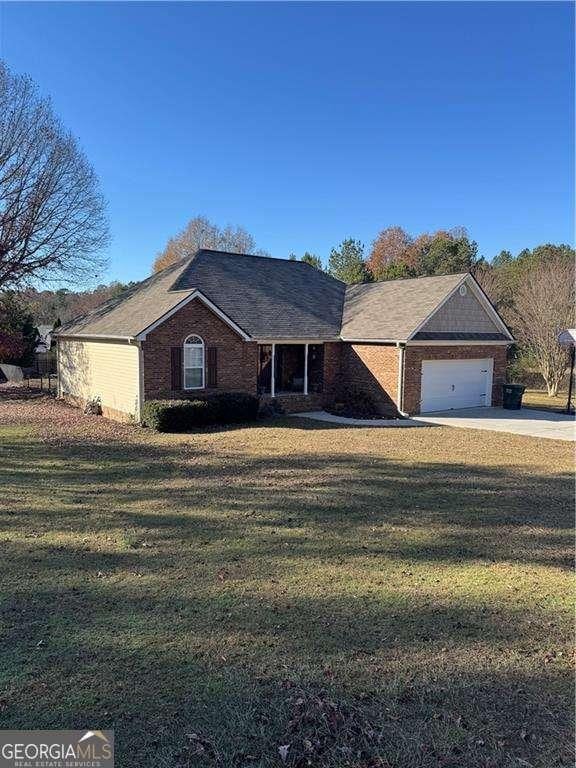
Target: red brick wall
[[413, 368], [332, 369], [294, 402], [236, 358], [372, 368]]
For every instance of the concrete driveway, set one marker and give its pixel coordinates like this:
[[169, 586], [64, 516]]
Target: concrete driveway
[[526, 421]]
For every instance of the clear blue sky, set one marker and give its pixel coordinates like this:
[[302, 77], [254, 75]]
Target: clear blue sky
[[308, 123]]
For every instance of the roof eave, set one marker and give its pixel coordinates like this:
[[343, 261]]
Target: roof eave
[[459, 342], [95, 336], [363, 340], [295, 339]]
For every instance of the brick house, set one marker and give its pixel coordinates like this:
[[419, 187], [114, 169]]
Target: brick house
[[283, 330]]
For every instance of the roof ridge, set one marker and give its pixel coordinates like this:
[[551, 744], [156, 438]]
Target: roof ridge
[[248, 255], [251, 256], [418, 277], [380, 283], [262, 256]]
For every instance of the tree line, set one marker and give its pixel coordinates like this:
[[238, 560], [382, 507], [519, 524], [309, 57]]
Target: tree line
[[394, 253], [21, 312]]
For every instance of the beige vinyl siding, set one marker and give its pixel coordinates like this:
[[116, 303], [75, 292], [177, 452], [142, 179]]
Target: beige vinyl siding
[[463, 314], [105, 369]]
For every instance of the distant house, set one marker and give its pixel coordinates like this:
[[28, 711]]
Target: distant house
[[44, 339], [225, 322]]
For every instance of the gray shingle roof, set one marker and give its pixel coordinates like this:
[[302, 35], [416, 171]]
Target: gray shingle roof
[[457, 336], [133, 311], [266, 297], [395, 308], [273, 299]]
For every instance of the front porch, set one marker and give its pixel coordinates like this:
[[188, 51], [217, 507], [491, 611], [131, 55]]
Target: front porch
[[297, 375]]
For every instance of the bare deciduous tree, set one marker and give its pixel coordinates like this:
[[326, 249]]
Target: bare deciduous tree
[[52, 215], [496, 288], [202, 233], [544, 306]]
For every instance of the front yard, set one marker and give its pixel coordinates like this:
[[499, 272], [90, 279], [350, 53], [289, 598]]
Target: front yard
[[375, 598]]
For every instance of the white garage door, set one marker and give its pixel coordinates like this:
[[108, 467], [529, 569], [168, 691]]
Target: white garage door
[[450, 384]]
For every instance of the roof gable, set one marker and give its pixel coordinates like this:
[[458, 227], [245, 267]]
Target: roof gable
[[462, 312], [190, 296], [393, 310]]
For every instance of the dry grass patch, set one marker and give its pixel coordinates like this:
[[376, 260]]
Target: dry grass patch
[[360, 597], [539, 399]]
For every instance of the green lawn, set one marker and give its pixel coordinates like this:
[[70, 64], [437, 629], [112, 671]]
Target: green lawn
[[376, 598]]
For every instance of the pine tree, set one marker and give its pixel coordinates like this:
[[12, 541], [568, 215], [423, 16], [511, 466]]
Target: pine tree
[[313, 260], [346, 262]]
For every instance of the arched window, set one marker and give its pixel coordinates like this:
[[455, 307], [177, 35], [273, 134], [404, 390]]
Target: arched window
[[193, 363]]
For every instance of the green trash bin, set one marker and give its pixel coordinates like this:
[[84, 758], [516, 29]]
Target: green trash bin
[[512, 396]]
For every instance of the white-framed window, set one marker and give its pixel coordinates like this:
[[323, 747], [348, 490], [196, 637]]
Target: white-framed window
[[193, 363]]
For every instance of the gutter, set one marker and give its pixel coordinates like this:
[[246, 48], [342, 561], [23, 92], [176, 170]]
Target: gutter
[[460, 343], [372, 341], [297, 340], [102, 336]]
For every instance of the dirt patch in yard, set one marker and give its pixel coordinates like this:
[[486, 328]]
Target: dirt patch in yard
[[54, 420]]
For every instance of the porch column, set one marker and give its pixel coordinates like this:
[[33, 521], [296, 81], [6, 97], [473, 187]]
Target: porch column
[[305, 369]]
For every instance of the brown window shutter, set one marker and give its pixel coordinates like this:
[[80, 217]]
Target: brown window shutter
[[176, 364], [212, 360]]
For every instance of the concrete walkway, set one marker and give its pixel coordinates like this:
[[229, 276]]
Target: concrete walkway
[[526, 421], [346, 422]]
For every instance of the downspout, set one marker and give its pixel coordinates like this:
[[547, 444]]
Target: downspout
[[140, 402], [400, 386], [58, 378], [273, 372]]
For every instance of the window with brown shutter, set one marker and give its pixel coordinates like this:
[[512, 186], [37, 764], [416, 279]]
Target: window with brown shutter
[[176, 368], [212, 361]]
